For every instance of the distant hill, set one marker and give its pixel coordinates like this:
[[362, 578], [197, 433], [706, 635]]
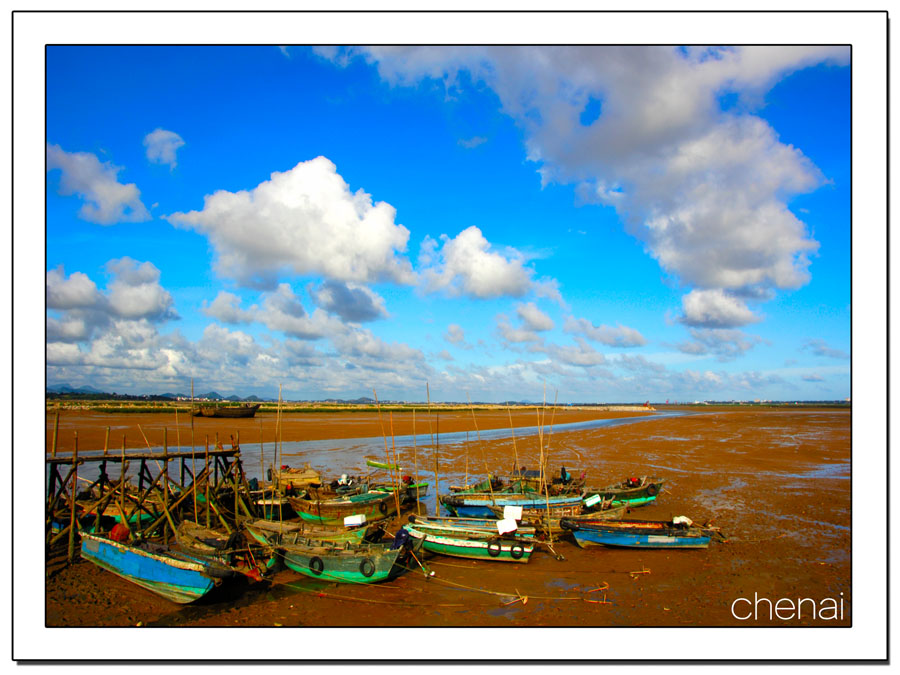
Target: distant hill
[[66, 389]]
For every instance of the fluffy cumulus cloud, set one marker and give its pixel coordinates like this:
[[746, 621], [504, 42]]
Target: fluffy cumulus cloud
[[468, 265], [618, 336], [705, 188], [349, 301], [715, 309], [135, 292], [533, 318], [226, 307], [304, 221], [106, 200], [162, 145], [455, 334]]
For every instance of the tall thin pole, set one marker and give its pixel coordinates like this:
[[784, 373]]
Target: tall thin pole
[[55, 432], [71, 556], [281, 450], [416, 463], [193, 465], [512, 430]]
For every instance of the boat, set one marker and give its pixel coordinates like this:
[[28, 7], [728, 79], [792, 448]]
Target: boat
[[231, 549], [632, 491], [478, 505], [231, 411], [678, 533], [297, 479], [451, 524], [174, 575], [261, 529], [477, 544], [347, 562], [373, 505], [409, 492], [543, 521]]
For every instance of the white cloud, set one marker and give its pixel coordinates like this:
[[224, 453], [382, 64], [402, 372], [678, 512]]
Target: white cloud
[[78, 291], [107, 201], [162, 145], [227, 308], [473, 142], [514, 335], [282, 311], [467, 265], [704, 189], [620, 336], [715, 309], [136, 293], [533, 317], [819, 347], [302, 221], [580, 354], [725, 344], [455, 335], [349, 301]]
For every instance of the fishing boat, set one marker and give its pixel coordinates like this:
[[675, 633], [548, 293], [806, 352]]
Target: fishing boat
[[408, 491], [451, 524], [373, 505], [296, 479], [261, 530], [478, 544], [544, 521], [632, 491], [479, 505], [232, 411], [491, 483], [347, 562], [678, 533], [174, 575]]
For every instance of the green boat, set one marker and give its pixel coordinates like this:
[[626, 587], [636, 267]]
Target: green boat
[[477, 544], [372, 505], [261, 529], [631, 491], [347, 562]]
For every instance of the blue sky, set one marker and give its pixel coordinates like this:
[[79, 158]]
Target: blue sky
[[613, 224]]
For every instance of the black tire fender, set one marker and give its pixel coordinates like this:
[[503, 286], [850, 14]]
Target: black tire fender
[[316, 566], [383, 507], [652, 489], [493, 549], [517, 551], [367, 567]]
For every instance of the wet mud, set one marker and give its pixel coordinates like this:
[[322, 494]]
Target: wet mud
[[776, 481]]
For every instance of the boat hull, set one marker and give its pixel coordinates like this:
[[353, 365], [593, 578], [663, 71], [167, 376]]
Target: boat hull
[[181, 581], [333, 511], [635, 534], [347, 563], [478, 546], [479, 506]]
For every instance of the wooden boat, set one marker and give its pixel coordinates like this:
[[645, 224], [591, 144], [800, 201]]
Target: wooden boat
[[408, 492], [346, 562], [373, 505], [488, 484], [174, 575], [637, 533], [543, 522], [260, 530], [231, 411], [288, 478], [231, 549], [479, 505], [451, 524], [631, 491], [477, 544]]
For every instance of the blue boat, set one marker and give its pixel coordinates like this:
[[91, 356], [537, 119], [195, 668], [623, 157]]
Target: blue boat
[[479, 505], [637, 533], [174, 575]]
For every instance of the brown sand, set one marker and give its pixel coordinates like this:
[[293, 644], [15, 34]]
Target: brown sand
[[776, 481]]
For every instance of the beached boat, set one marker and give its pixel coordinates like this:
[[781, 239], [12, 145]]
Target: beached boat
[[260, 530], [631, 491], [678, 533], [231, 411], [477, 544], [544, 522], [346, 562], [479, 505], [452, 524], [408, 492], [174, 575], [300, 478], [373, 505]]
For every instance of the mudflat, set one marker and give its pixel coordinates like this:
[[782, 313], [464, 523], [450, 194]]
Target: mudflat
[[777, 481]]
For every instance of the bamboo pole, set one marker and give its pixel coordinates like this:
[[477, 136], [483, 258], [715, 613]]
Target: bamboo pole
[[397, 464], [206, 482], [512, 430], [55, 432], [416, 464], [71, 553], [193, 465], [122, 491], [280, 451], [166, 484]]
